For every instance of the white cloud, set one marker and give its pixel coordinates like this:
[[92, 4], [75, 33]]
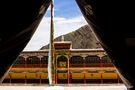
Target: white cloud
[[62, 26]]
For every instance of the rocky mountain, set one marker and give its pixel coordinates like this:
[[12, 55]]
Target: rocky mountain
[[82, 38]]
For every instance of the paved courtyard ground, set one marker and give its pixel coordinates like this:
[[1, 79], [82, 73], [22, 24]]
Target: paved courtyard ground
[[62, 87]]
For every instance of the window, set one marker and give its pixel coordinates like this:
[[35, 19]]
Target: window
[[33, 60], [20, 60], [106, 59], [76, 60], [92, 59], [44, 60]]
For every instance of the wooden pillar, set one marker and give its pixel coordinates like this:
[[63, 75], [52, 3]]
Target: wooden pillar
[[84, 65], [25, 61], [84, 78], [118, 78], [40, 61], [10, 78], [56, 68], [25, 78], [56, 78], [100, 56], [40, 79], [101, 64], [70, 78], [68, 72], [101, 78], [84, 61]]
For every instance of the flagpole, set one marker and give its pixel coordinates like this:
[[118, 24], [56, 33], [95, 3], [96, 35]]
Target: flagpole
[[51, 62]]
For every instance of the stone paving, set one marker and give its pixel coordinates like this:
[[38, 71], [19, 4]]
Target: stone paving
[[62, 87]]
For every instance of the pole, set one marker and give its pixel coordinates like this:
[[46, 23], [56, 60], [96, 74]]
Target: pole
[[51, 62]]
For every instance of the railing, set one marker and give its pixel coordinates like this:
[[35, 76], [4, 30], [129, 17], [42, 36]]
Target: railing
[[92, 65], [70, 65], [67, 78], [29, 66]]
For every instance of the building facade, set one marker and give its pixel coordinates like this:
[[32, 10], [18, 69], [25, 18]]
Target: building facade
[[83, 66]]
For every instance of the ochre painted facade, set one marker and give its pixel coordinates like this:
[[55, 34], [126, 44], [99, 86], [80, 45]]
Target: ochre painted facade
[[83, 66]]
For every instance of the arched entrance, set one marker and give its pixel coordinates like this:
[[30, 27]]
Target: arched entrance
[[62, 72], [62, 61]]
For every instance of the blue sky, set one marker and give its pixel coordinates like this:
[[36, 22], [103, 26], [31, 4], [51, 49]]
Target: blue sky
[[65, 8], [67, 18]]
